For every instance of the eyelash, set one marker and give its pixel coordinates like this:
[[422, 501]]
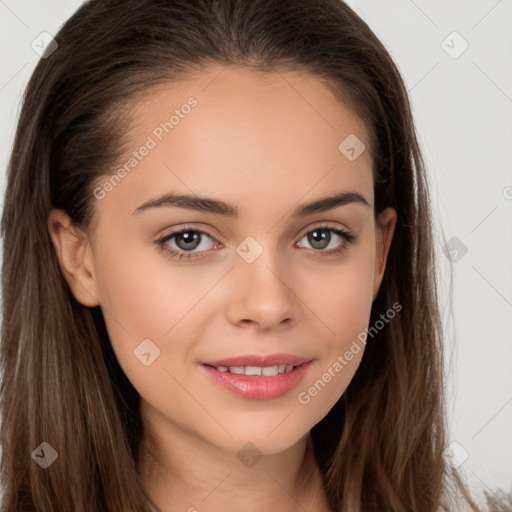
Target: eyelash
[[348, 236]]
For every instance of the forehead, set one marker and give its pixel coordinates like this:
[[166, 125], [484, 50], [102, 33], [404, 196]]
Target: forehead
[[241, 94], [248, 133]]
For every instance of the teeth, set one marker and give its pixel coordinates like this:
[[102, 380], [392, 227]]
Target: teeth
[[253, 370], [270, 371], [267, 371]]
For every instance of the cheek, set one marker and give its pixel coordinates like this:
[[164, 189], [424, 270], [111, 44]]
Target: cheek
[[344, 306], [131, 289], [144, 297], [144, 293], [345, 300]]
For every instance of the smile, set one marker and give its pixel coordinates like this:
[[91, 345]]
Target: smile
[[256, 382]]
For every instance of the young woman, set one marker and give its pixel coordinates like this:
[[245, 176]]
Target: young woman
[[218, 269]]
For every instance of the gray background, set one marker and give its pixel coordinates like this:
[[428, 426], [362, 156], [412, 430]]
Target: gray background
[[462, 104]]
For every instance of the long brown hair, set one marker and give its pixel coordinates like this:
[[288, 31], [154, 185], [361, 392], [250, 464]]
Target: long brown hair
[[380, 447]]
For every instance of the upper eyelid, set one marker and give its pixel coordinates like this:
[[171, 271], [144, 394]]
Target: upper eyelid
[[183, 229]]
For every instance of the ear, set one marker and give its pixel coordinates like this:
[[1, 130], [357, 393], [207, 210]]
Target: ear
[[75, 257], [385, 228]]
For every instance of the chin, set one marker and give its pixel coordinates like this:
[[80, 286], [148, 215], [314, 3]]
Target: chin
[[260, 441]]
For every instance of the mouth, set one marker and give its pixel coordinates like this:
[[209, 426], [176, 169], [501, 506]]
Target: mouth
[[257, 382]]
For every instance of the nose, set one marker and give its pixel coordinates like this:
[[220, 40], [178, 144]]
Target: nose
[[262, 294]]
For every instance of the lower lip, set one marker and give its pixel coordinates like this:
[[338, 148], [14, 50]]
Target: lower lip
[[258, 386]]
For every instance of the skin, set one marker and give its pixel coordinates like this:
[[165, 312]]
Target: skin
[[266, 143]]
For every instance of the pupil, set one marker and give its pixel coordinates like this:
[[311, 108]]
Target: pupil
[[319, 236], [191, 240]]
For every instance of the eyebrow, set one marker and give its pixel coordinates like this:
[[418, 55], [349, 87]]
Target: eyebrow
[[215, 206]]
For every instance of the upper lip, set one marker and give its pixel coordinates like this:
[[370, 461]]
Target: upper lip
[[260, 360]]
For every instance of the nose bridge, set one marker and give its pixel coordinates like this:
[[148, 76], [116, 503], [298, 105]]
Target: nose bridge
[[265, 295]]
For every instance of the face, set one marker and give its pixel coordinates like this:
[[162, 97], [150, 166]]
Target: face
[[253, 271]]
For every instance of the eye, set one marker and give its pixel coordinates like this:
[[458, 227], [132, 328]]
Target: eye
[[184, 242], [190, 243], [321, 237]]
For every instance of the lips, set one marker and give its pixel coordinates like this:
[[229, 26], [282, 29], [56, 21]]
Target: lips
[[260, 360], [255, 376]]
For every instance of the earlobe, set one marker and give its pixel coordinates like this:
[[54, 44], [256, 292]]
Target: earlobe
[[75, 257], [384, 235]]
